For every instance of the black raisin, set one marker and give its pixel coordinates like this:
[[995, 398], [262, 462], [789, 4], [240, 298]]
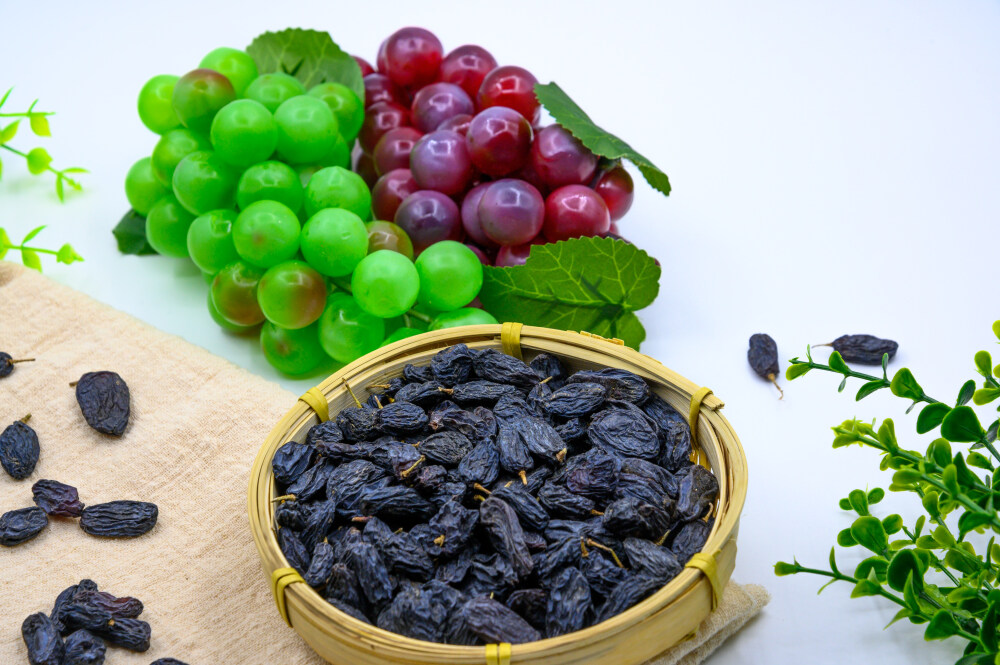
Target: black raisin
[[397, 503], [343, 586], [593, 474], [674, 431], [504, 530], [531, 604], [45, 646], [697, 492], [326, 432], [321, 566], [763, 358], [495, 623], [620, 384], [569, 603], [421, 612], [627, 593], [417, 373], [649, 558], [57, 498], [864, 349], [493, 365], [19, 526], [349, 610], [84, 648], [625, 432], [167, 661], [541, 439], [7, 363], [559, 501], [452, 527], [19, 449], [480, 392], [105, 402], [295, 552], [447, 448], [556, 557], [632, 517], [290, 461], [689, 539], [373, 575], [423, 394], [400, 418], [452, 365], [481, 465], [131, 634], [549, 367], [119, 519], [575, 400], [357, 424], [514, 454], [529, 511]]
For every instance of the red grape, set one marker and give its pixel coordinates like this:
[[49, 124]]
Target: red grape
[[515, 255], [512, 87], [389, 192], [440, 161], [411, 57], [613, 230], [366, 67], [560, 159], [616, 188], [380, 88], [511, 212], [470, 215], [427, 217], [457, 123], [481, 255], [437, 102], [365, 167], [573, 211], [499, 141], [393, 150], [467, 66], [379, 119]]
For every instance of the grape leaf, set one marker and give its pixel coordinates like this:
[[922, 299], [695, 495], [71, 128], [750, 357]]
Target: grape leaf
[[572, 117], [131, 235], [311, 56], [591, 284]]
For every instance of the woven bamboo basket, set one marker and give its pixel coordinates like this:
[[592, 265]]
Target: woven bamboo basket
[[638, 634]]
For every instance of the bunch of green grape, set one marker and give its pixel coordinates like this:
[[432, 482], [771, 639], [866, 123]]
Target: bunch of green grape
[[250, 179]]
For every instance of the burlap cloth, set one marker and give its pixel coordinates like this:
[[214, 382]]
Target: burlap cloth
[[197, 423]]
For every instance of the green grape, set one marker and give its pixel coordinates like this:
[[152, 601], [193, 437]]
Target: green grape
[[450, 275], [156, 109], [466, 316], [266, 233], [172, 147], [142, 188], [292, 294], [386, 235], [306, 172], [333, 241], [203, 182], [225, 324], [307, 129], [292, 352], [346, 331], [210, 241], [167, 227], [234, 64], [234, 293], [339, 154], [400, 333], [270, 181], [337, 187], [199, 95], [385, 283], [272, 90], [345, 104], [244, 133]]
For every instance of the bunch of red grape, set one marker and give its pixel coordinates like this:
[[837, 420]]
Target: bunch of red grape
[[452, 149]]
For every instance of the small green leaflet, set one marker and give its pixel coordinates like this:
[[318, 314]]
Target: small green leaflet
[[131, 235], [311, 56], [572, 117], [591, 284]]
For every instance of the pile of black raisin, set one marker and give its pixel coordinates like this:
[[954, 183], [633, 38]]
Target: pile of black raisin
[[481, 499]]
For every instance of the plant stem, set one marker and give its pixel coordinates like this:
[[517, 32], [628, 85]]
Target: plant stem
[[26, 114], [48, 167], [30, 249], [885, 382]]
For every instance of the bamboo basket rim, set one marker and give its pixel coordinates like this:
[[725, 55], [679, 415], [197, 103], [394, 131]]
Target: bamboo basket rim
[[713, 429]]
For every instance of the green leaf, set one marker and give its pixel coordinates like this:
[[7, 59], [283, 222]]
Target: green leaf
[[965, 394], [795, 370], [591, 284], [68, 255], [875, 564], [931, 416], [5, 243], [910, 594], [904, 565], [961, 594], [942, 626], [876, 495], [970, 521], [38, 160], [979, 461], [31, 260], [904, 385], [985, 396], [950, 478], [845, 504], [570, 116], [928, 543], [892, 524], [781, 569], [39, 124], [868, 532], [32, 233], [837, 363], [939, 452], [961, 425], [988, 629], [887, 434], [930, 503], [311, 56], [866, 588], [984, 363], [846, 539], [130, 233], [6, 95], [8, 132], [859, 501], [901, 614], [906, 477], [843, 384], [977, 659], [868, 388], [833, 560], [942, 535], [996, 329]]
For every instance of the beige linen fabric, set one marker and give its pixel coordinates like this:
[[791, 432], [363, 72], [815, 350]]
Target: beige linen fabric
[[197, 423]]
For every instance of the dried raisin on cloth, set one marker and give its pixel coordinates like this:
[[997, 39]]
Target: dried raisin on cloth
[[119, 519], [57, 499], [45, 646], [20, 526], [104, 401], [19, 449]]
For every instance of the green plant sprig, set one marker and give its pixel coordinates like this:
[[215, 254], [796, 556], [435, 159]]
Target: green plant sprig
[[937, 578], [29, 255]]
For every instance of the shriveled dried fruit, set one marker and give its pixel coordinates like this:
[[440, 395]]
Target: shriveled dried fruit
[[864, 349], [19, 526], [448, 448], [531, 605], [495, 623], [119, 519], [633, 517], [651, 559], [514, 456], [7, 363], [624, 431], [481, 465], [373, 575], [400, 418], [529, 511], [621, 384], [295, 552], [452, 365], [45, 646], [575, 400], [423, 394], [541, 439], [321, 567], [131, 634], [674, 431], [343, 586], [291, 461], [504, 530], [689, 538], [84, 648], [698, 491], [167, 661], [480, 392], [549, 367], [349, 610], [560, 502], [629, 591], [396, 503], [19, 449], [568, 604], [501, 368], [357, 423], [105, 401], [763, 358], [422, 612], [57, 498]]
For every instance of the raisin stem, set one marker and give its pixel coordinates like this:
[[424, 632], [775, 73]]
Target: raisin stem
[[614, 555], [524, 477], [480, 488], [407, 472], [583, 549], [283, 498], [73, 384], [773, 379], [350, 390], [439, 541], [561, 455], [22, 360], [26, 419]]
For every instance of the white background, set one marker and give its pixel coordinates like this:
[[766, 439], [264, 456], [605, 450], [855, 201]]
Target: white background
[[835, 167]]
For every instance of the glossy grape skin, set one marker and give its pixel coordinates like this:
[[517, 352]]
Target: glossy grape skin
[[346, 331], [511, 212], [466, 316], [450, 276], [411, 57], [613, 231], [364, 166], [560, 159], [499, 141], [467, 66], [574, 211], [167, 226], [429, 217], [470, 216], [156, 107], [390, 190], [380, 88], [234, 64], [203, 182], [480, 254], [386, 235], [515, 255], [272, 90], [210, 241], [244, 133], [266, 233], [513, 87], [334, 241], [393, 150], [172, 147], [234, 293], [142, 188], [437, 102], [337, 187], [380, 117], [198, 96], [307, 129], [270, 181], [399, 334], [222, 321], [385, 284], [459, 123], [617, 189], [364, 65], [292, 294], [345, 105], [292, 352], [440, 161]]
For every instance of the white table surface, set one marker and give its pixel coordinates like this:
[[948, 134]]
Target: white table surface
[[835, 167]]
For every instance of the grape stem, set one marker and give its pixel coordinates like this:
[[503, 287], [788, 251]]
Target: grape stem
[[59, 174]]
